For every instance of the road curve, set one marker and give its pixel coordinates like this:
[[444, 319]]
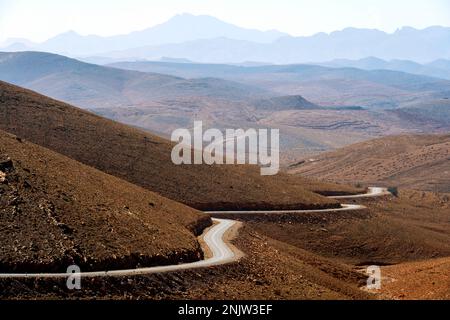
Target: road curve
[[345, 207], [372, 192], [221, 252]]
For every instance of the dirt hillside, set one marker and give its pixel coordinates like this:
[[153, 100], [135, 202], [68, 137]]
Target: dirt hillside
[[411, 161], [144, 159], [392, 230], [57, 212]]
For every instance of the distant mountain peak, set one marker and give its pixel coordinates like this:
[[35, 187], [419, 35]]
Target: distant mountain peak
[[186, 15], [207, 39], [70, 33], [405, 30]]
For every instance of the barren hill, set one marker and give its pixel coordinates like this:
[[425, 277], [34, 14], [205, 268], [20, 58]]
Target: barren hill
[[321, 85], [144, 159], [282, 97], [410, 161], [294, 102], [57, 212], [92, 86]]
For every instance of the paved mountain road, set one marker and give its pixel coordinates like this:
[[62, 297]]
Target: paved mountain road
[[222, 252]]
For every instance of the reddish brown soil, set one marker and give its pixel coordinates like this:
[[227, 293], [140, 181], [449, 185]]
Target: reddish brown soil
[[414, 226], [144, 159], [271, 270], [414, 162], [56, 212], [421, 280], [100, 221]]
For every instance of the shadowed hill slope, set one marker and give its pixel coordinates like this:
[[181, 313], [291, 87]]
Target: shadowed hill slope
[[57, 212], [144, 159], [285, 103]]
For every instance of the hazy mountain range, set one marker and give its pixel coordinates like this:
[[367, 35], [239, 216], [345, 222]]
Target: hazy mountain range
[[316, 108], [91, 86], [438, 68], [327, 86], [137, 83], [207, 39], [179, 29]]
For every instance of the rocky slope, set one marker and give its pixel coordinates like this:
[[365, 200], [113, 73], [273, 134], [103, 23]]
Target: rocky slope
[[57, 212], [144, 159], [410, 161]]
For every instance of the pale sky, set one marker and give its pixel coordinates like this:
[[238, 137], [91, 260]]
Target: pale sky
[[39, 20]]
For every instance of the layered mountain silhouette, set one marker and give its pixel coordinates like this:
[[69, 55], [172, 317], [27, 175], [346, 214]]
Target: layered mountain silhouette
[[406, 44], [438, 68], [179, 29], [91, 86], [313, 106], [322, 85], [208, 39]]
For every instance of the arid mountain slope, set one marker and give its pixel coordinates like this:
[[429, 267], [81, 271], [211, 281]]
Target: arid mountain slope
[[343, 105], [284, 103], [312, 106], [57, 212], [270, 270], [92, 86], [144, 159], [422, 280], [437, 110], [413, 226], [410, 161], [321, 85]]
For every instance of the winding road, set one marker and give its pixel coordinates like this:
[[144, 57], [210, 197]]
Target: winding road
[[373, 192], [221, 252], [345, 207], [213, 237]]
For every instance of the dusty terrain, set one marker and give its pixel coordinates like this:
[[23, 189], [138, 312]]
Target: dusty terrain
[[98, 220], [315, 256], [429, 279], [408, 236], [144, 159], [270, 270], [413, 226], [409, 233], [57, 212], [411, 161]]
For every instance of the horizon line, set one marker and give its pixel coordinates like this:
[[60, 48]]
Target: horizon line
[[4, 41]]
